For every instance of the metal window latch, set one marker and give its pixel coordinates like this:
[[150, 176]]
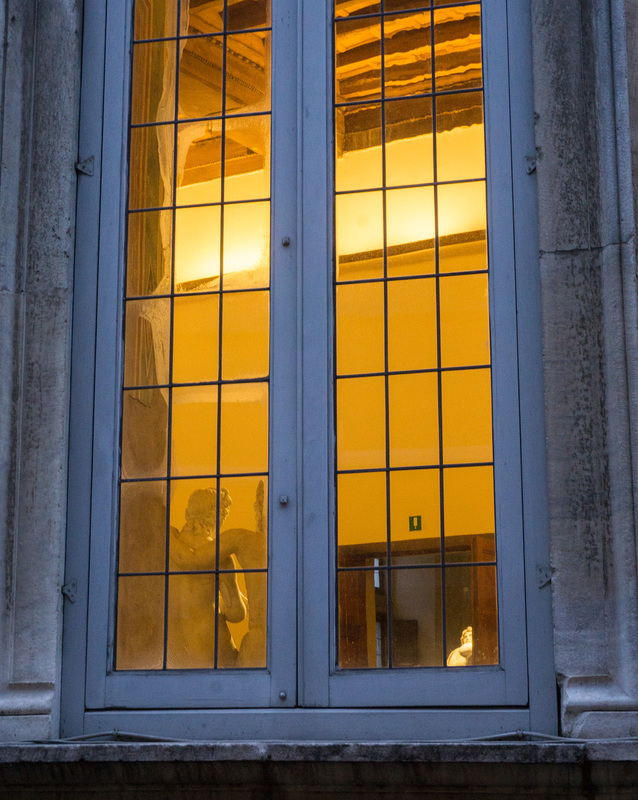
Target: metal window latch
[[530, 164], [543, 576], [86, 167], [70, 591]]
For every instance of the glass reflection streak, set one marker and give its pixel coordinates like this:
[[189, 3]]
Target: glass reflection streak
[[415, 513], [192, 554]]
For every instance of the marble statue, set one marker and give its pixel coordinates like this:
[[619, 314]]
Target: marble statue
[[462, 656]]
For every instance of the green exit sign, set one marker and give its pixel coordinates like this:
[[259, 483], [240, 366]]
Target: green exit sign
[[415, 523]]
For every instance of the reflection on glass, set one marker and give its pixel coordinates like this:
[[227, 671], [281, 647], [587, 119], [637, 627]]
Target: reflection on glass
[[457, 48], [197, 248], [194, 430], [247, 158], [360, 331], [412, 325], [415, 524], [363, 619], [244, 428], [144, 430], [140, 622], [246, 245], [359, 245], [150, 63], [360, 423], [358, 60], [195, 338], [460, 137], [245, 335], [471, 616], [408, 54], [413, 419], [467, 416], [362, 518], [247, 79], [149, 253], [146, 188], [143, 527], [142, 367], [359, 154], [409, 156], [465, 333], [416, 617]]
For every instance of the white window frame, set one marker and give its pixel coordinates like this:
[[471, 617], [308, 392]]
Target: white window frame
[[302, 694]]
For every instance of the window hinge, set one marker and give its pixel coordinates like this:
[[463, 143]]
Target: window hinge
[[543, 576], [70, 591], [85, 167]]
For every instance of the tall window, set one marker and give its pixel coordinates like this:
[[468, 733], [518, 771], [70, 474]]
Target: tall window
[[301, 465]]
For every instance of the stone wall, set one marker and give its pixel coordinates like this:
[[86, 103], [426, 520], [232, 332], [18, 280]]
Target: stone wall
[[38, 124]]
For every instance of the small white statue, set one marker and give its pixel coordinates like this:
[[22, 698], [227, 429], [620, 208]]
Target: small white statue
[[462, 656]]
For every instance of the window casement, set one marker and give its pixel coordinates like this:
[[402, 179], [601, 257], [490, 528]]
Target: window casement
[[306, 473]]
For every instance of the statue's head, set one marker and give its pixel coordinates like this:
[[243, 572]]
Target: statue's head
[[202, 507]]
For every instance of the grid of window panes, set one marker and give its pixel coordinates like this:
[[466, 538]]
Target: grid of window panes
[[416, 560], [192, 555]]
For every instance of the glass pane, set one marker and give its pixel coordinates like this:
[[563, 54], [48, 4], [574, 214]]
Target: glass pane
[[246, 335], [408, 54], [144, 430], [244, 528], [247, 73], [404, 5], [414, 428], [153, 68], [193, 518], [196, 338], [360, 328], [246, 245], [346, 8], [360, 423], [460, 137], [247, 158], [358, 59], [412, 330], [468, 494], [197, 248], [194, 431], [409, 157], [191, 622], [140, 623], [199, 146], [467, 416], [151, 167], [465, 332], [242, 638], [462, 226], [471, 616], [457, 38], [150, 246], [245, 14], [410, 226], [363, 619], [244, 428], [155, 18], [362, 521], [359, 235], [359, 156], [200, 77], [414, 516], [147, 332], [416, 618], [142, 546]]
